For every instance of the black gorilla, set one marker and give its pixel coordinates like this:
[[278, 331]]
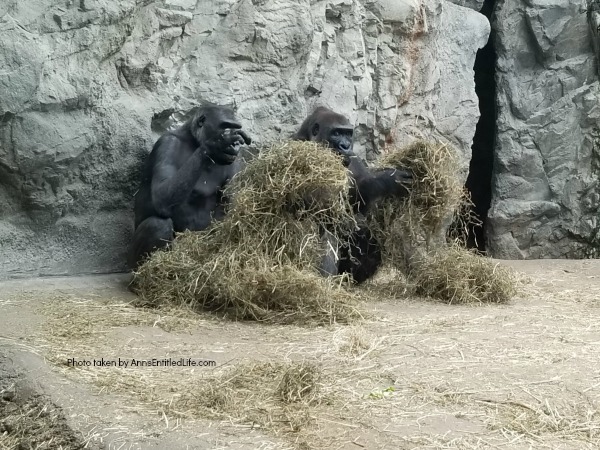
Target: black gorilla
[[361, 257], [183, 179]]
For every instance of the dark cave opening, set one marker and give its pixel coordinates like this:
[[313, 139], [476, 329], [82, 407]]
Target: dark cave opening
[[479, 180]]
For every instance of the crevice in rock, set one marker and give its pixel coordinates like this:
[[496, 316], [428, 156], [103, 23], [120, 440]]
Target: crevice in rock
[[479, 181]]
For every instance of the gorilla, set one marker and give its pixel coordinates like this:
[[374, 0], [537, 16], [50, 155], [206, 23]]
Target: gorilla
[[361, 256], [183, 179]]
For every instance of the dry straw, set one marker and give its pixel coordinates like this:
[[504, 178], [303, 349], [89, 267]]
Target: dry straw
[[272, 395], [261, 261], [456, 275], [436, 193], [280, 396], [29, 420], [409, 226], [412, 232]]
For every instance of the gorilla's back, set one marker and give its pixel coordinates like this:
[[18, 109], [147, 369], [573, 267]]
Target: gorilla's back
[[143, 205]]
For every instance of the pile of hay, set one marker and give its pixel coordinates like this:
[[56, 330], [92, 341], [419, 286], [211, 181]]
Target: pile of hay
[[408, 227], [261, 261], [436, 192], [413, 232], [453, 274]]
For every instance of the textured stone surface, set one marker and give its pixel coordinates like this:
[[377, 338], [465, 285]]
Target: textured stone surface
[[594, 21], [473, 4], [546, 192], [86, 87]]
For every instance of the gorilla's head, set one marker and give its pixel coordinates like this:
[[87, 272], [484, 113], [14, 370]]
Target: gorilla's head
[[326, 126], [210, 122]]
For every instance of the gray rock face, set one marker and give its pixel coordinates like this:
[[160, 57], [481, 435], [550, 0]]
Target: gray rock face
[[546, 191], [87, 86], [473, 4], [593, 13]]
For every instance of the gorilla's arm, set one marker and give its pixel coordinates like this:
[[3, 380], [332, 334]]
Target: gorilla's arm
[[371, 185], [171, 184], [391, 182]]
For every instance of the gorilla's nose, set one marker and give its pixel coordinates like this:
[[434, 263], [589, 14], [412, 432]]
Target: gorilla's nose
[[345, 147]]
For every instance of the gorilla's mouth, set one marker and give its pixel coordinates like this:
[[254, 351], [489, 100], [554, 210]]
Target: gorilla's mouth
[[345, 151]]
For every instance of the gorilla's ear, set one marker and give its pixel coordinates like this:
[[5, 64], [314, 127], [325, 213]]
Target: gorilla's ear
[[200, 121], [315, 130]]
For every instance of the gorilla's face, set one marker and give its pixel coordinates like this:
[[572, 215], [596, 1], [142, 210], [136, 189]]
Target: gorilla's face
[[217, 121], [340, 139], [326, 126], [218, 127], [337, 135]]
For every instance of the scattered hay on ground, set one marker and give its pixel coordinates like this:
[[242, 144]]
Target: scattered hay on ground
[[261, 262], [273, 395], [431, 365], [280, 396], [356, 342], [413, 233], [300, 384], [564, 419], [92, 313], [268, 394]]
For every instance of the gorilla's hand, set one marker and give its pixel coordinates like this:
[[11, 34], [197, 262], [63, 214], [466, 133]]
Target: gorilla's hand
[[404, 179], [244, 136], [403, 176], [224, 148]]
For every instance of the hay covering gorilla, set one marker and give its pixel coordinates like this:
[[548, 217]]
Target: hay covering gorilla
[[359, 254], [260, 262]]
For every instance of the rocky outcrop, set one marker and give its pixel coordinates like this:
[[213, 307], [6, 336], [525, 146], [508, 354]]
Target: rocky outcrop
[[546, 187], [86, 87], [593, 15]]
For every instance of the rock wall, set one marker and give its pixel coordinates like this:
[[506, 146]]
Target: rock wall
[[593, 15], [546, 191], [86, 87]]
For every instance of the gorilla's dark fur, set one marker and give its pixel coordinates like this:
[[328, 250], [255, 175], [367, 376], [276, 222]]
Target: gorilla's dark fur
[[183, 179], [362, 257]]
